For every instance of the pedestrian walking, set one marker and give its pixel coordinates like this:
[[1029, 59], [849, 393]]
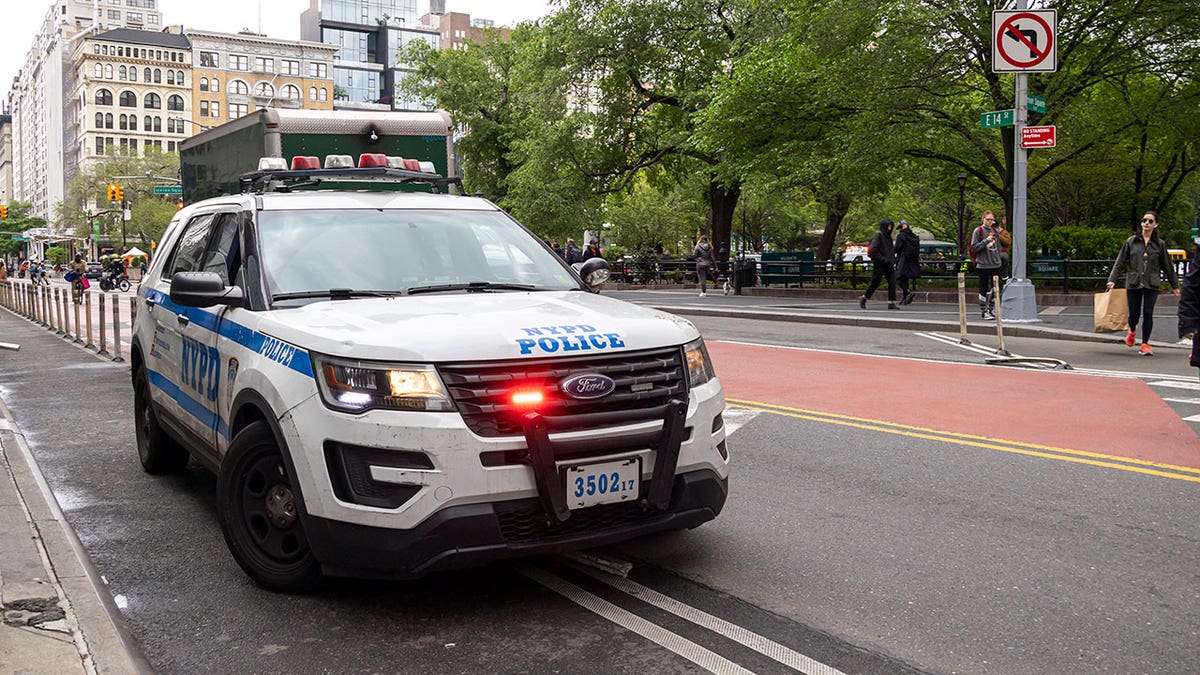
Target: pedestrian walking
[[704, 260], [882, 253], [573, 254], [593, 250], [1148, 261], [985, 251], [908, 262], [1189, 308]]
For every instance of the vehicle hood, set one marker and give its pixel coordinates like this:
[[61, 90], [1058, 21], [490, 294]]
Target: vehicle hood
[[476, 326]]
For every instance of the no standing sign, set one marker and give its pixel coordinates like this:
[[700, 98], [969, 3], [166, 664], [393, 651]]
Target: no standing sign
[[1025, 41]]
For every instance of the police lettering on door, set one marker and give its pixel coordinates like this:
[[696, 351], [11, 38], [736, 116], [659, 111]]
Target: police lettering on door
[[567, 338], [200, 368]]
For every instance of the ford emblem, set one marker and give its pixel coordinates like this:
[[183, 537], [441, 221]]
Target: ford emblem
[[588, 386]]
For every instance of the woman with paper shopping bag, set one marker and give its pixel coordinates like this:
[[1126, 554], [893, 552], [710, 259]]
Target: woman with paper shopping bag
[[1146, 256]]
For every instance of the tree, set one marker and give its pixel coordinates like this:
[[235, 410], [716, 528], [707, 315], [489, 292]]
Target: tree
[[86, 197], [18, 221]]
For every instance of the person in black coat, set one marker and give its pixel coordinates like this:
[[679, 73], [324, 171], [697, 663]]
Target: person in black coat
[[908, 261], [1189, 307], [883, 264]]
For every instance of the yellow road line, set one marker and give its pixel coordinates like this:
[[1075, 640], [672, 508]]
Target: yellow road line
[[1030, 449]]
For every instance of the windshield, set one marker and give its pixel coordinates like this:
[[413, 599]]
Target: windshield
[[393, 251]]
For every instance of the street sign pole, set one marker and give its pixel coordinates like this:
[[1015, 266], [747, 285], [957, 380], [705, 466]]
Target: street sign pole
[[1019, 302]]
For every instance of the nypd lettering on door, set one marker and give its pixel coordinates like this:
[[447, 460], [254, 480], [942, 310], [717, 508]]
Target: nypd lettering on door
[[200, 368], [566, 339]]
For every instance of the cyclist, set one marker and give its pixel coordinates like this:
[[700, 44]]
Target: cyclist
[[77, 269]]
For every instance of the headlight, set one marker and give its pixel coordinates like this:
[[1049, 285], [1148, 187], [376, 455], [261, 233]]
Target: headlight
[[699, 366], [356, 386]]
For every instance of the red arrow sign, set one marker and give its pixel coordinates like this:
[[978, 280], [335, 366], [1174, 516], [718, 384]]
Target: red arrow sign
[[1038, 137]]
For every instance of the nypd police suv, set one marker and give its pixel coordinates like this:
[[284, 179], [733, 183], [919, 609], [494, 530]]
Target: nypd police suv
[[388, 383]]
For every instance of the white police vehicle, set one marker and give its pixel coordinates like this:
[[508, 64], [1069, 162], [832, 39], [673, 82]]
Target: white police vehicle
[[389, 383]]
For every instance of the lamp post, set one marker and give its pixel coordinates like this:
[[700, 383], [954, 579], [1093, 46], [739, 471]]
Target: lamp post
[[962, 187]]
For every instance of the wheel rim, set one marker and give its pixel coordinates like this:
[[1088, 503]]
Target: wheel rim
[[269, 512]]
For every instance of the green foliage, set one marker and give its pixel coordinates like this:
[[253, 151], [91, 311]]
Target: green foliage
[[1079, 242], [149, 213], [57, 255], [18, 220]]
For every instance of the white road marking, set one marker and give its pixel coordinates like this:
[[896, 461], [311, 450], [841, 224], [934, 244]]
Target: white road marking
[[701, 656], [1052, 310], [1189, 401], [953, 341], [1192, 418], [1176, 384], [736, 418], [758, 643]]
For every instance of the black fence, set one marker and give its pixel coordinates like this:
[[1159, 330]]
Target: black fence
[[1063, 275]]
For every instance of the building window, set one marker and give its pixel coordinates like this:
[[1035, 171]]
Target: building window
[[104, 97], [133, 73], [238, 62], [133, 122], [123, 123], [170, 77], [238, 87], [324, 94], [312, 93], [133, 146], [264, 65], [179, 77], [320, 70], [204, 84], [148, 120], [98, 71], [99, 120], [170, 146], [123, 73], [153, 101], [237, 110], [134, 17], [215, 109], [145, 75], [157, 76], [128, 99], [264, 90], [289, 67], [291, 92], [215, 84], [95, 49], [204, 108], [175, 102], [114, 15], [210, 60], [108, 71], [99, 145], [108, 120], [170, 125], [157, 124]]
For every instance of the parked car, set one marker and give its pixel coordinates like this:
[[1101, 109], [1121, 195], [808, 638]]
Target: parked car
[[94, 270]]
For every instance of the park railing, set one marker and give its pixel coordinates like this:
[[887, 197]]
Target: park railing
[[1058, 274]]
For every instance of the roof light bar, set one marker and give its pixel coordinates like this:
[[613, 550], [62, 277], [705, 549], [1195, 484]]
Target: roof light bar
[[339, 162], [271, 164], [428, 167], [412, 165], [300, 162], [372, 159]]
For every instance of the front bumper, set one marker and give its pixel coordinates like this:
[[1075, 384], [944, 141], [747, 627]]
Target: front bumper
[[476, 534]]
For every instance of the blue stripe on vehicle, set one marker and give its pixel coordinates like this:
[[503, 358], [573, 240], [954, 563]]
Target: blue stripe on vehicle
[[193, 407], [295, 358]]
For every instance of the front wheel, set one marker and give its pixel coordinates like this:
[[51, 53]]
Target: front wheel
[[259, 509], [157, 452], [106, 285], [123, 285]]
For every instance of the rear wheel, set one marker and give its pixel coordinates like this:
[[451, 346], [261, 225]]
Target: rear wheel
[[123, 284], [158, 452], [259, 509]]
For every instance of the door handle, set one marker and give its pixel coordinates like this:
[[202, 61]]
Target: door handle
[[182, 319], [150, 303]]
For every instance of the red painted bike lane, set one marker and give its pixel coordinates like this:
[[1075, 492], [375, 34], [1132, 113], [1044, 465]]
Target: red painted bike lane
[[1107, 415]]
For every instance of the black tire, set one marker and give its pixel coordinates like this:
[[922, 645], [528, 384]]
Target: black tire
[[260, 513], [105, 285], [158, 452], [123, 285]]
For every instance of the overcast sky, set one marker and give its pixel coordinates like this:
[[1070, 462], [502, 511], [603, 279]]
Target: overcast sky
[[279, 18]]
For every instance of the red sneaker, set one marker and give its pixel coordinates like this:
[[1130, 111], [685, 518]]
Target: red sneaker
[[1145, 350], [1130, 338]]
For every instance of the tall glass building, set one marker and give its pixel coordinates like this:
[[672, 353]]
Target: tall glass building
[[371, 36]]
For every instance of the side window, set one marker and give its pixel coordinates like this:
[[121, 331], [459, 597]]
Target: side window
[[223, 254], [190, 249]]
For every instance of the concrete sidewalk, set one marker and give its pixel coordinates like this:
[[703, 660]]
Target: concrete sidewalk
[[57, 616]]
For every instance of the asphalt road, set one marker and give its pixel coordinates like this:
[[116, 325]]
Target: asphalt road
[[859, 544]]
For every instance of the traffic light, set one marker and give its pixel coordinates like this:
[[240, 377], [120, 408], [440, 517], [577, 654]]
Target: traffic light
[[120, 193], [3, 210], [112, 192]]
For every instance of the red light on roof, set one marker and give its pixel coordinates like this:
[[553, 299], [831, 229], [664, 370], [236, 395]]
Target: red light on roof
[[527, 398], [412, 165], [372, 159], [300, 163]]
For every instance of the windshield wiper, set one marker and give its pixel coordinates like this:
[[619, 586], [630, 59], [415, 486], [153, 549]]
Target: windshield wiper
[[473, 287], [335, 294]]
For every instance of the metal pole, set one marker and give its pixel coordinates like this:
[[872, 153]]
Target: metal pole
[[962, 309], [78, 333], [58, 314], [1019, 293], [44, 306], [962, 188], [87, 312], [117, 331], [103, 334]]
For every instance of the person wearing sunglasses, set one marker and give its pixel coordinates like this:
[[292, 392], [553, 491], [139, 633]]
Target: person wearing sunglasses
[[1146, 256]]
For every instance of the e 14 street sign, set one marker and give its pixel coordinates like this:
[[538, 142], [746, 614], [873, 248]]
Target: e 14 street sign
[[1038, 137], [168, 190], [997, 118]]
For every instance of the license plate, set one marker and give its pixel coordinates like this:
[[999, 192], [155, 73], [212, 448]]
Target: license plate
[[603, 483]]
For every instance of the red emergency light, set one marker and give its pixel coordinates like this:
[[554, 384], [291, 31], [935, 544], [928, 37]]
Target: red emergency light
[[527, 398], [300, 163], [372, 159]]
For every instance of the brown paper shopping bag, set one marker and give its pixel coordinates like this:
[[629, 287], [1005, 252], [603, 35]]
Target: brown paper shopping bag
[[1111, 311]]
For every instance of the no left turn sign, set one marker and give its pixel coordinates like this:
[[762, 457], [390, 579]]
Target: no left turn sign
[[1025, 41]]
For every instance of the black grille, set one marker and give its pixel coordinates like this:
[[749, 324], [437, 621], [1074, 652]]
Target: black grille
[[482, 391], [531, 524]]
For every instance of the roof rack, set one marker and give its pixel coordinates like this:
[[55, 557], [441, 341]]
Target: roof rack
[[284, 180]]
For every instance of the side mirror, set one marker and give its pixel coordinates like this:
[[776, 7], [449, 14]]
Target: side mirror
[[204, 289], [594, 272]]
